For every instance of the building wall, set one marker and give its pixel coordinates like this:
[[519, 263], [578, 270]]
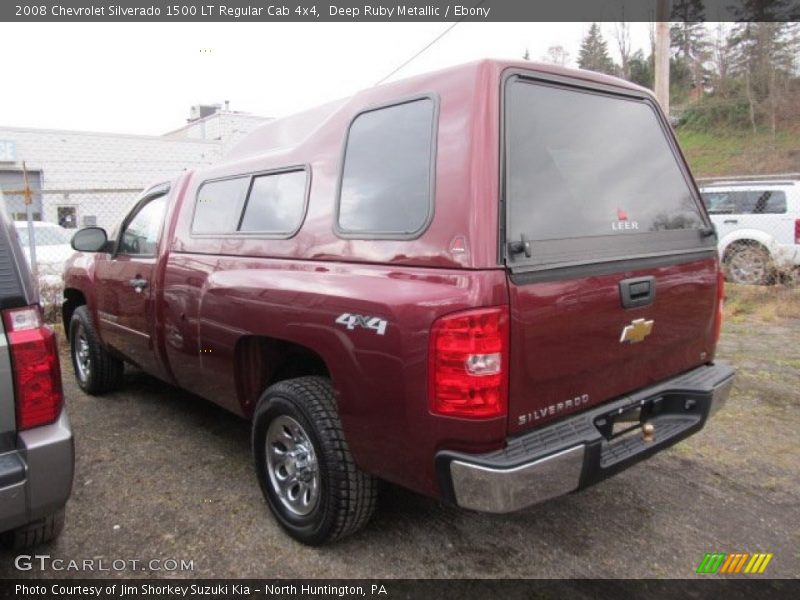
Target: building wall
[[96, 173], [226, 127]]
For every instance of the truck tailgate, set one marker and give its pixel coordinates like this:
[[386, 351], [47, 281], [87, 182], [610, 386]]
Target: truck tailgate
[[567, 347]]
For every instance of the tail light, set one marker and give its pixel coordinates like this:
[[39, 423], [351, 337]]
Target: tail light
[[720, 305], [797, 231], [35, 365], [468, 364]]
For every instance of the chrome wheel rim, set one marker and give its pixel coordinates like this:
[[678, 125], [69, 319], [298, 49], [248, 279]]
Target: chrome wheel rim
[[81, 357], [292, 466], [747, 266]]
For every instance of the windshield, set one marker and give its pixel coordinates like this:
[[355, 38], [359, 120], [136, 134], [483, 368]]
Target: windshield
[[583, 164], [52, 235]]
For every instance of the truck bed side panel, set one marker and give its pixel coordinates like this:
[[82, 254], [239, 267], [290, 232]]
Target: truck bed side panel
[[214, 302]]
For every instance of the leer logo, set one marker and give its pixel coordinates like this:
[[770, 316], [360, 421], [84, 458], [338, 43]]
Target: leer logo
[[720, 562]]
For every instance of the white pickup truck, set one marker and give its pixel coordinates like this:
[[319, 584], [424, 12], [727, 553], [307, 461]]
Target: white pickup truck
[[758, 225]]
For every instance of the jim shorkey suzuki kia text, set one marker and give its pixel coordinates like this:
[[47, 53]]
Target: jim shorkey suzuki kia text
[[494, 284]]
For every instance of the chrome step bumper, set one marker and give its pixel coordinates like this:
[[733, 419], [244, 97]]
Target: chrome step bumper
[[575, 452]]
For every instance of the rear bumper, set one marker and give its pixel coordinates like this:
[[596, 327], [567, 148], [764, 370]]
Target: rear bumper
[[574, 453], [36, 478]]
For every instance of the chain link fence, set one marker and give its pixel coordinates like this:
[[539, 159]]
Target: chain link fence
[[64, 180], [47, 221]]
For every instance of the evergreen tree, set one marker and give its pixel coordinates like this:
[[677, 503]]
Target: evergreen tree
[[593, 54], [765, 10], [689, 39], [641, 69]]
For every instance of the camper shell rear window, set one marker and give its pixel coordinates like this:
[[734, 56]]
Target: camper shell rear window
[[591, 175]]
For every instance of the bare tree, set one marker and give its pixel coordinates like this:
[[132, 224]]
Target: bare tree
[[557, 55], [721, 57], [764, 53], [622, 33], [651, 31]]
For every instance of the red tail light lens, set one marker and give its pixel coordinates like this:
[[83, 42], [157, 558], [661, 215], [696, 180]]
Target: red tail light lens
[[37, 373], [468, 364], [797, 231], [720, 305]]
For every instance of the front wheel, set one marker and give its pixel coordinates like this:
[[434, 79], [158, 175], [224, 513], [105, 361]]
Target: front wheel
[[304, 466], [96, 370]]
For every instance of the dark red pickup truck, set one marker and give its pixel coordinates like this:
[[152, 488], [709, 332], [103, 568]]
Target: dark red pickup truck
[[494, 284]]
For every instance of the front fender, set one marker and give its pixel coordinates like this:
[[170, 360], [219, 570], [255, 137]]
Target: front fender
[[79, 277]]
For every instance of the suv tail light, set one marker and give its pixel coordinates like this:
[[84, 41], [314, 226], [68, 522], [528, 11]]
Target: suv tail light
[[468, 364], [797, 231], [37, 374], [720, 305]]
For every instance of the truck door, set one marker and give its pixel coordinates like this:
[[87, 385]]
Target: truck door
[[125, 295]]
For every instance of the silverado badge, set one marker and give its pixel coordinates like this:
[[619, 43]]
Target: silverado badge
[[636, 331]]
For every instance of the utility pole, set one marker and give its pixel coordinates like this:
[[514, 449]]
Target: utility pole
[[662, 54], [27, 194]]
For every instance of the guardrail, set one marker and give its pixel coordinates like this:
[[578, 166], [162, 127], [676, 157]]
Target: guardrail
[[773, 177]]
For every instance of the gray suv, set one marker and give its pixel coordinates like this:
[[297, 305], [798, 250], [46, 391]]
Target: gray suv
[[36, 448]]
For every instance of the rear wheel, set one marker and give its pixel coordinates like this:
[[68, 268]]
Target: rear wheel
[[748, 264], [96, 370], [33, 534], [304, 466]]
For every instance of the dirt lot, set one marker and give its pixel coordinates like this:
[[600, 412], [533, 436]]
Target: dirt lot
[[164, 475]]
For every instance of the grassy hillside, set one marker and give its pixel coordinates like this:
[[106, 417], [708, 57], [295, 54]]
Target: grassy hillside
[[716, 153]]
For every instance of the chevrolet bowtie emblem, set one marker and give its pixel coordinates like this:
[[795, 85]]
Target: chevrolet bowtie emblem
[[636, 331]]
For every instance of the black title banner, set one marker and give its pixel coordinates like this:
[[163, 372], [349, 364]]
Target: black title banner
[[399, 11]]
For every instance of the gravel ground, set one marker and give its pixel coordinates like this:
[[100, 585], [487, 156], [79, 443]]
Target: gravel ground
[[161, 474]]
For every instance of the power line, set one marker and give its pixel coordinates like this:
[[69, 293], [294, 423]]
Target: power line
[[428, 45]]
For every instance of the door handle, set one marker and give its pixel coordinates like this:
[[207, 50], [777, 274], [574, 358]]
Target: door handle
[[138, 284], [731, 221]]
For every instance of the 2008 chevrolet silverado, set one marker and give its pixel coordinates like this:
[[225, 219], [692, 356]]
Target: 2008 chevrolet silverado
[[494, 284]]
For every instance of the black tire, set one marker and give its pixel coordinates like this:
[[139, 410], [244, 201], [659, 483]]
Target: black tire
[[748, 264], [345, 495], [96, 371], [33, 534]]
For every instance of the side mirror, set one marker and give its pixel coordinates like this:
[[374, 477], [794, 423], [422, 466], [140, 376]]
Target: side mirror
[[90, 239]]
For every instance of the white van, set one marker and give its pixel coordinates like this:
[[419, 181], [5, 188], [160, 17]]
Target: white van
[[758, 225]]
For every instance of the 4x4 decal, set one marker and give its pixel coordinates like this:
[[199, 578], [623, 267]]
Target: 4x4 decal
[[352, 321]]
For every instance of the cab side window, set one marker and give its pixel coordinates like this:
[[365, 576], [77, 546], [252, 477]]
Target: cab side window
[[719, 203], [140, 235], [764, 202]]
